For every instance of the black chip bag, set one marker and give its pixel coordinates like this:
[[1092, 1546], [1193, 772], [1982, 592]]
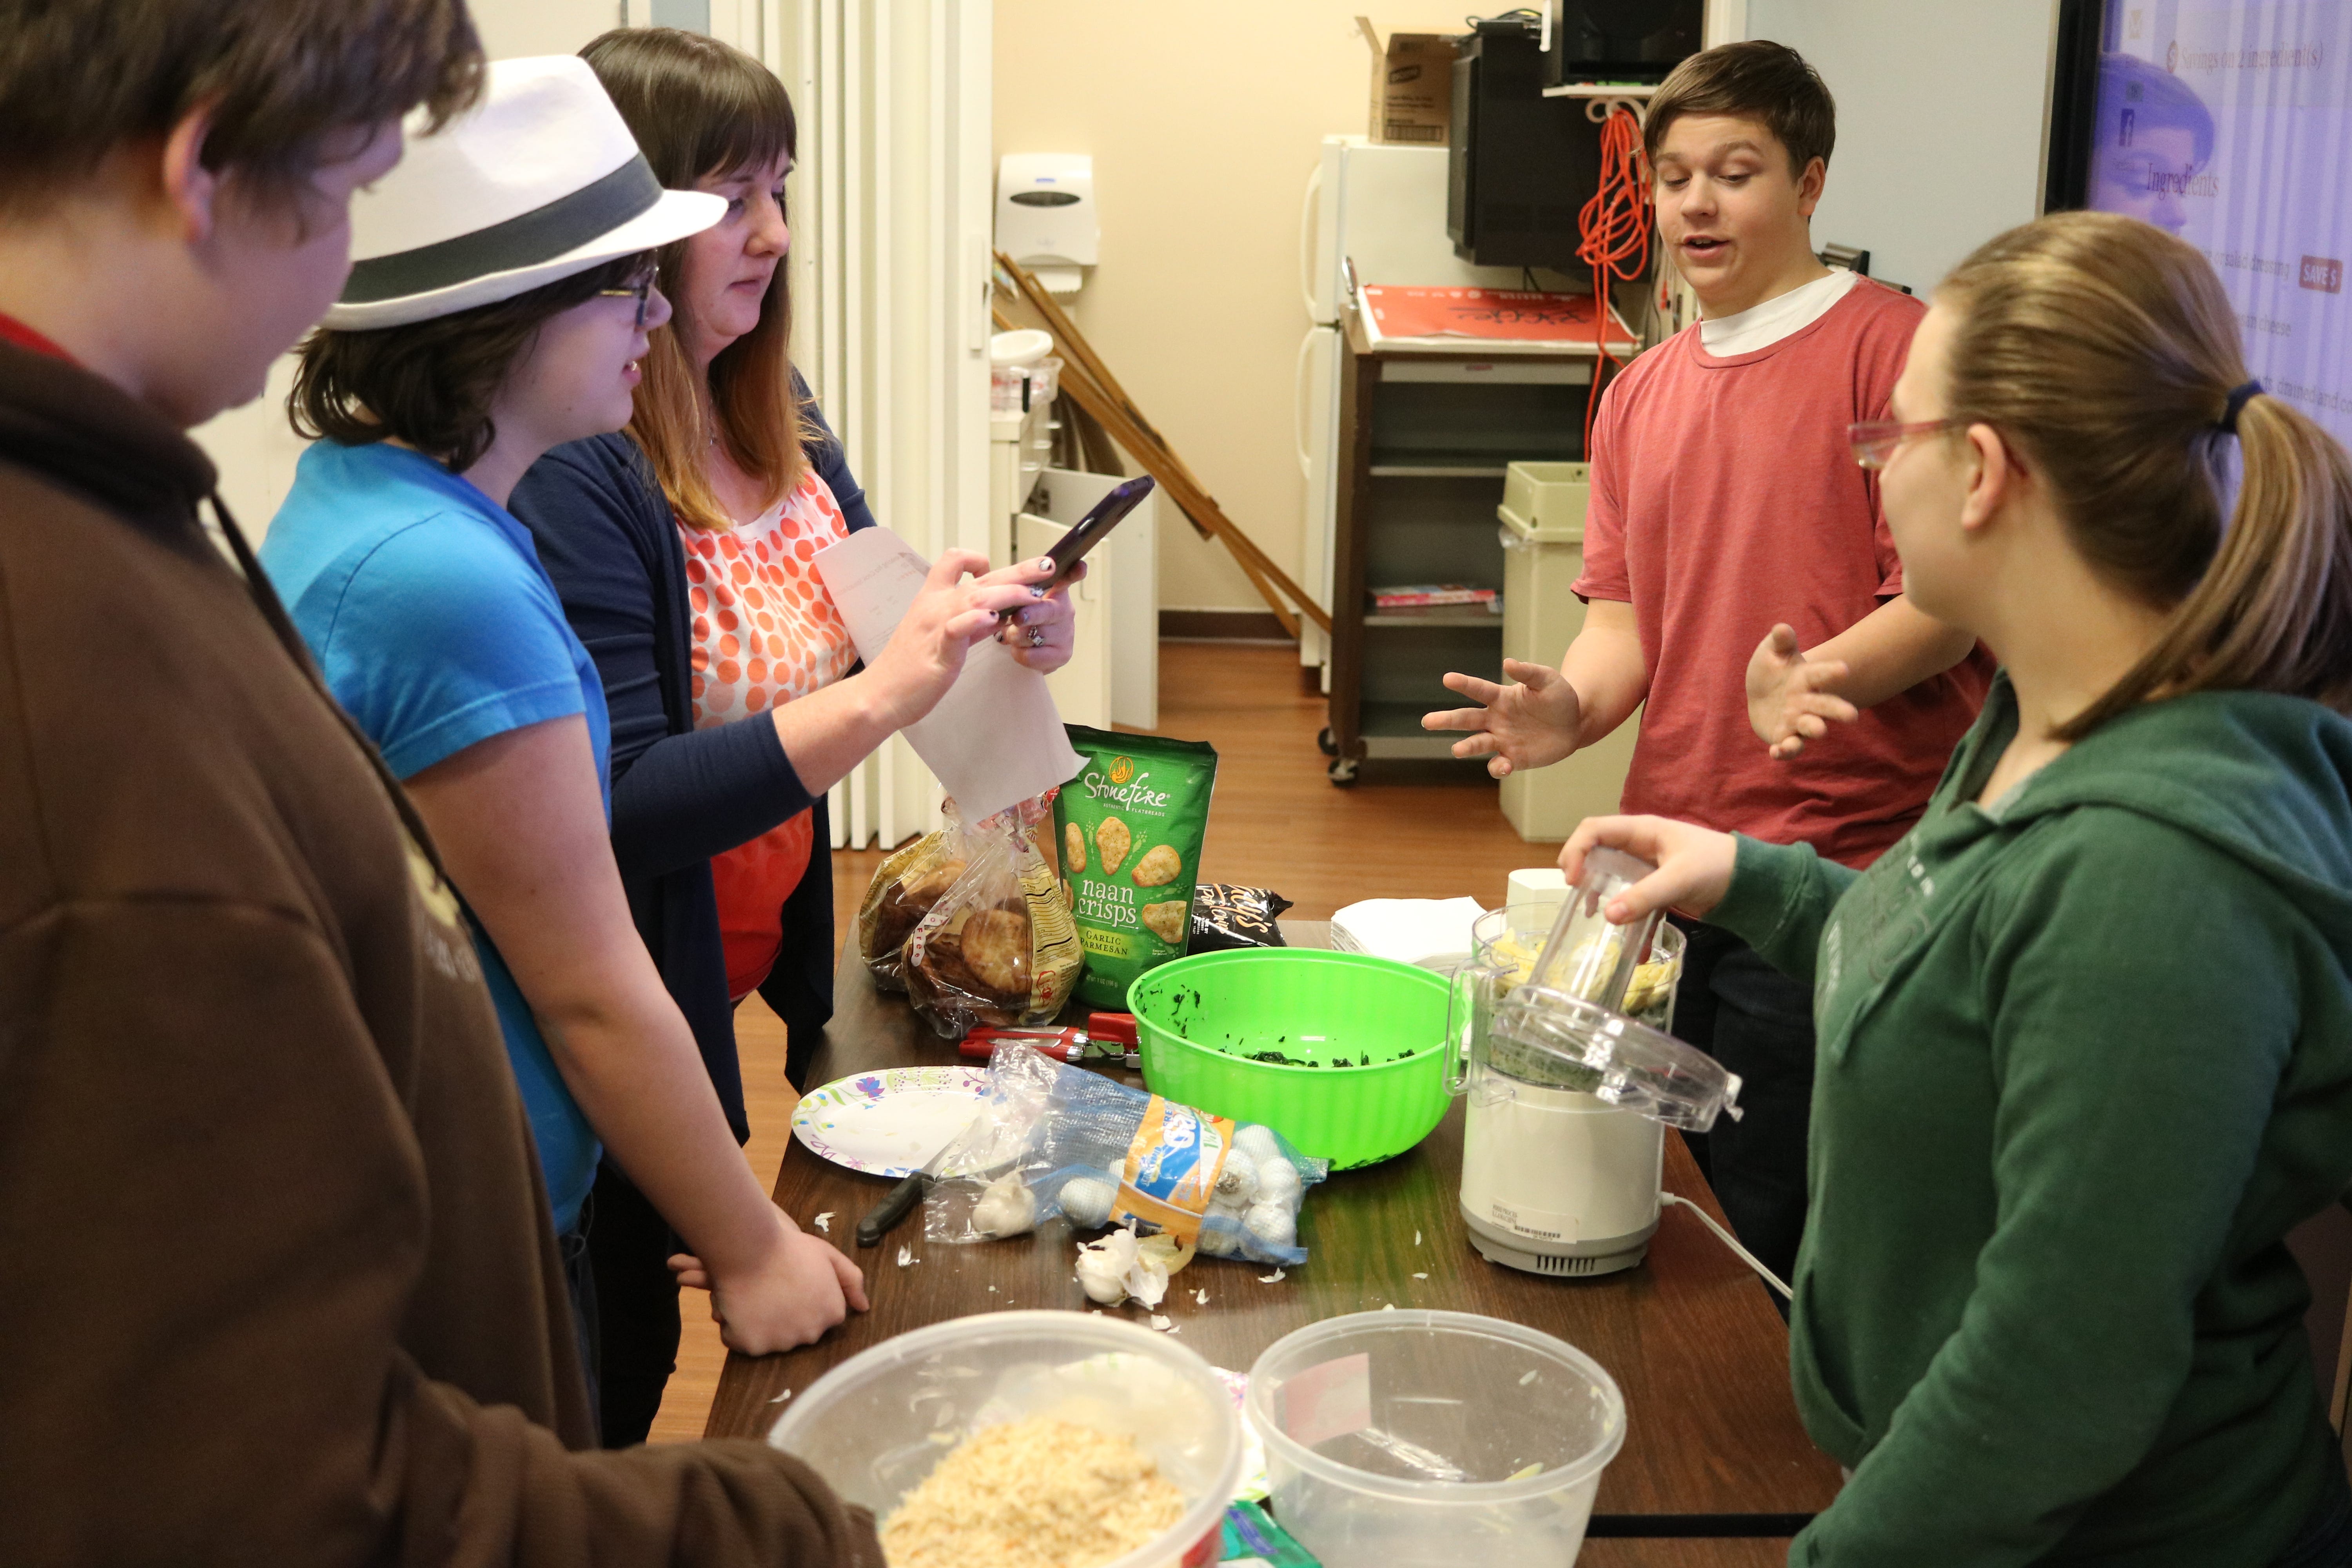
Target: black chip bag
[[1225, 918], [1131, 824]]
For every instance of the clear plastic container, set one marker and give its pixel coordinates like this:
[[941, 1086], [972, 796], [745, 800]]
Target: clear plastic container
[[1505, 946], [1413, 1439], [1588, 956], [1543, 1037], [878, 1423]]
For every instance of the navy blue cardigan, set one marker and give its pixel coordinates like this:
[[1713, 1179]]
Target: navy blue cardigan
[[680, 795]]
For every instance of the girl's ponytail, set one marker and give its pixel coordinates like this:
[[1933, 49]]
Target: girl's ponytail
[[2107, 350]]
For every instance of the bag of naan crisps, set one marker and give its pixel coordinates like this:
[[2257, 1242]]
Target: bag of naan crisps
[[1131, 825], [997, 947]]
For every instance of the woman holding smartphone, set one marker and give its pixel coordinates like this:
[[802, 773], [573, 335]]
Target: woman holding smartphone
[[2085, 1033], [681, 553]]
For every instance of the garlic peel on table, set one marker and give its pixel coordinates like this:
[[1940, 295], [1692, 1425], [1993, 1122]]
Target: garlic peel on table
[[1119, 1267]]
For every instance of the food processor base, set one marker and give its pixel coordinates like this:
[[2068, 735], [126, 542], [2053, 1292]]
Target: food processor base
[[1567, 1259]]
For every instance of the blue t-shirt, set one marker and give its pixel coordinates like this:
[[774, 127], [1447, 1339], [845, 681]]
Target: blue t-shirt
[[427, 607]]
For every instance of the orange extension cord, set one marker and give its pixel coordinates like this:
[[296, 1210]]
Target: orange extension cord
[[1614, 228]]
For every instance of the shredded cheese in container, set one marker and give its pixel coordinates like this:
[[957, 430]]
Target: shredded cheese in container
[[1038, 1493]]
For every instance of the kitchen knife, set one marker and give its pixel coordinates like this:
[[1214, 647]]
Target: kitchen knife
[[883, 1216]]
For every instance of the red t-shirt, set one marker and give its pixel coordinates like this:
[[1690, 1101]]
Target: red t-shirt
[[1726, 498], [16, 332]]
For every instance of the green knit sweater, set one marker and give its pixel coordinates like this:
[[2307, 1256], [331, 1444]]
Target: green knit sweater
[[2084, 1062]]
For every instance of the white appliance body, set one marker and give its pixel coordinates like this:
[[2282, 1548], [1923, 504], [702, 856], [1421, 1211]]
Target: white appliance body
[[1046, 216], [1383, 208], [1556, 1182]]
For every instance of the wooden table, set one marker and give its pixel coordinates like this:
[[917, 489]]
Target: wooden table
[[1713, 1460]]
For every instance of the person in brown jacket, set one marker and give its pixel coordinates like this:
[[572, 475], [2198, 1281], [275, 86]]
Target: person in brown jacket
[[281, 1283]]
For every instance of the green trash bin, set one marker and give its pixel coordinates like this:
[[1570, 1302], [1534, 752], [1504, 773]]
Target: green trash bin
[[1543, 555]]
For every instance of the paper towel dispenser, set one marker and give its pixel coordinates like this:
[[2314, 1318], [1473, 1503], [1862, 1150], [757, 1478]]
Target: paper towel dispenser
[[1046, 216]]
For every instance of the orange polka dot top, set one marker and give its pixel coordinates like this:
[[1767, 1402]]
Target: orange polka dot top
[[765, 633]]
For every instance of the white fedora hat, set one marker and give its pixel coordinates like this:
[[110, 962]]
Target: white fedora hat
[[540, 180]]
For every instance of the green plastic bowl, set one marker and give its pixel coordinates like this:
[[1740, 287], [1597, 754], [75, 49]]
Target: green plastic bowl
[[1374, 1028]]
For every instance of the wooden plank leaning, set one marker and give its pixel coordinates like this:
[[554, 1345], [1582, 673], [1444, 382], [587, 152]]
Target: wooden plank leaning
[[1094, 388]]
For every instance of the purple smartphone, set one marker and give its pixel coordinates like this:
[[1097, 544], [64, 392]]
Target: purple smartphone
[[1094, 527]]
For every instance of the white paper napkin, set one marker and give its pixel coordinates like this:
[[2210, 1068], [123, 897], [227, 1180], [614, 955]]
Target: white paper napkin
[[1426, 931]]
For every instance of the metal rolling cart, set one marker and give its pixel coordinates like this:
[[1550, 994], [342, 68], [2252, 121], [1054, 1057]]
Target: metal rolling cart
[[1426, 435]]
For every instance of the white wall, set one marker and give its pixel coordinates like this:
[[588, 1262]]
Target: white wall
[[254, 447], [1203, 119], [510, 29], [1940, 114]]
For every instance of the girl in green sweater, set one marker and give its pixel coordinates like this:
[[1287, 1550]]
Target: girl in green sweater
[[2086, 1035]]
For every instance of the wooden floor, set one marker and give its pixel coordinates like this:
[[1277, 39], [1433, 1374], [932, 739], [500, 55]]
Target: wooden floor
[[1424, 832]]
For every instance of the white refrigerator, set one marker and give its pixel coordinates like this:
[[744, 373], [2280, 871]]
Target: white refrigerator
[[1383, 208]]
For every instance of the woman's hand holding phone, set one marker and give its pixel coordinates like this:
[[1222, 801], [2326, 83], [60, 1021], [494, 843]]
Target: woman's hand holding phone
[[927, 651], [1043, 635]]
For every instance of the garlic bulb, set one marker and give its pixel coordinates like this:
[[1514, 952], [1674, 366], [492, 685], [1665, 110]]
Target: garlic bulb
[[1116, 1267], [1086, 1201], [1237, 1179], [1103, 1266], [1256, 1140], [1273, 1225], [1278, 1182], [1220, 1241], [1006, 1207]]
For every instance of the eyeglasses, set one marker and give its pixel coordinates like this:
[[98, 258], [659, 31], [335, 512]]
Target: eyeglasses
[[1875, 440], [640, 288]]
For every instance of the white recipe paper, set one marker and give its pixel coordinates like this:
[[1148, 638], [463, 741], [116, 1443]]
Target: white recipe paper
[[995, 739]]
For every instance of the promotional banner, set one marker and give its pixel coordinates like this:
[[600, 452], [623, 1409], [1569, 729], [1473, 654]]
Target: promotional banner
[[2231, 125]]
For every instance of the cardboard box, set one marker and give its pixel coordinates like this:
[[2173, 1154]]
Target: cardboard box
[[1413, 87]]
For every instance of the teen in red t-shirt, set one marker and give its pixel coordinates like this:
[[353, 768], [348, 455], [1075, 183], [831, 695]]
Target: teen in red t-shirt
[[1742, 585]]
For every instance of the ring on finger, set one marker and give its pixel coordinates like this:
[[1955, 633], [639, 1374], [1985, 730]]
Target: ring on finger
[[1036, 637]]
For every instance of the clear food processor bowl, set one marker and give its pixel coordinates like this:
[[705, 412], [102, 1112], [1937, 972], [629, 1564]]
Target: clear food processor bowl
[[1547, 1036]]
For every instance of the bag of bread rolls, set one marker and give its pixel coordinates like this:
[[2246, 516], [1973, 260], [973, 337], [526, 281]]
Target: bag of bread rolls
[[908, 882], [997, 946]]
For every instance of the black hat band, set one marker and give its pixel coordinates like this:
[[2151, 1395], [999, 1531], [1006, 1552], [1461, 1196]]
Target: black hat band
[[542, 234]]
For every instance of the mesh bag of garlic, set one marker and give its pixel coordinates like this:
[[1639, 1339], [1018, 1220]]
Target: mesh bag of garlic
[[1057, 1139]]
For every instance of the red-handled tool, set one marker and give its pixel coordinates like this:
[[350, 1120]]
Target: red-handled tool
[[1067, 1044], [1106, 1037], [1112, 1027]]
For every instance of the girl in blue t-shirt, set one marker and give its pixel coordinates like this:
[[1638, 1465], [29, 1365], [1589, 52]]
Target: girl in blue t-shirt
[[455, 359]]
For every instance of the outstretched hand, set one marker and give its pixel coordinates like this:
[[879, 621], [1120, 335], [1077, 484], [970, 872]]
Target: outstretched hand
[[1533, 722], [1790, 695]]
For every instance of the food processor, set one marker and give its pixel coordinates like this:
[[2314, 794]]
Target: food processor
[[1561, 1044]]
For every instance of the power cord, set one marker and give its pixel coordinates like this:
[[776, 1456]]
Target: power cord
[[1746, 1256], [1614, 235]]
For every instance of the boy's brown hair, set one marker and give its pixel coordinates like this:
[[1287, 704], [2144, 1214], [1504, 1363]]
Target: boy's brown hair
[[1761, 80], [79, 77]]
